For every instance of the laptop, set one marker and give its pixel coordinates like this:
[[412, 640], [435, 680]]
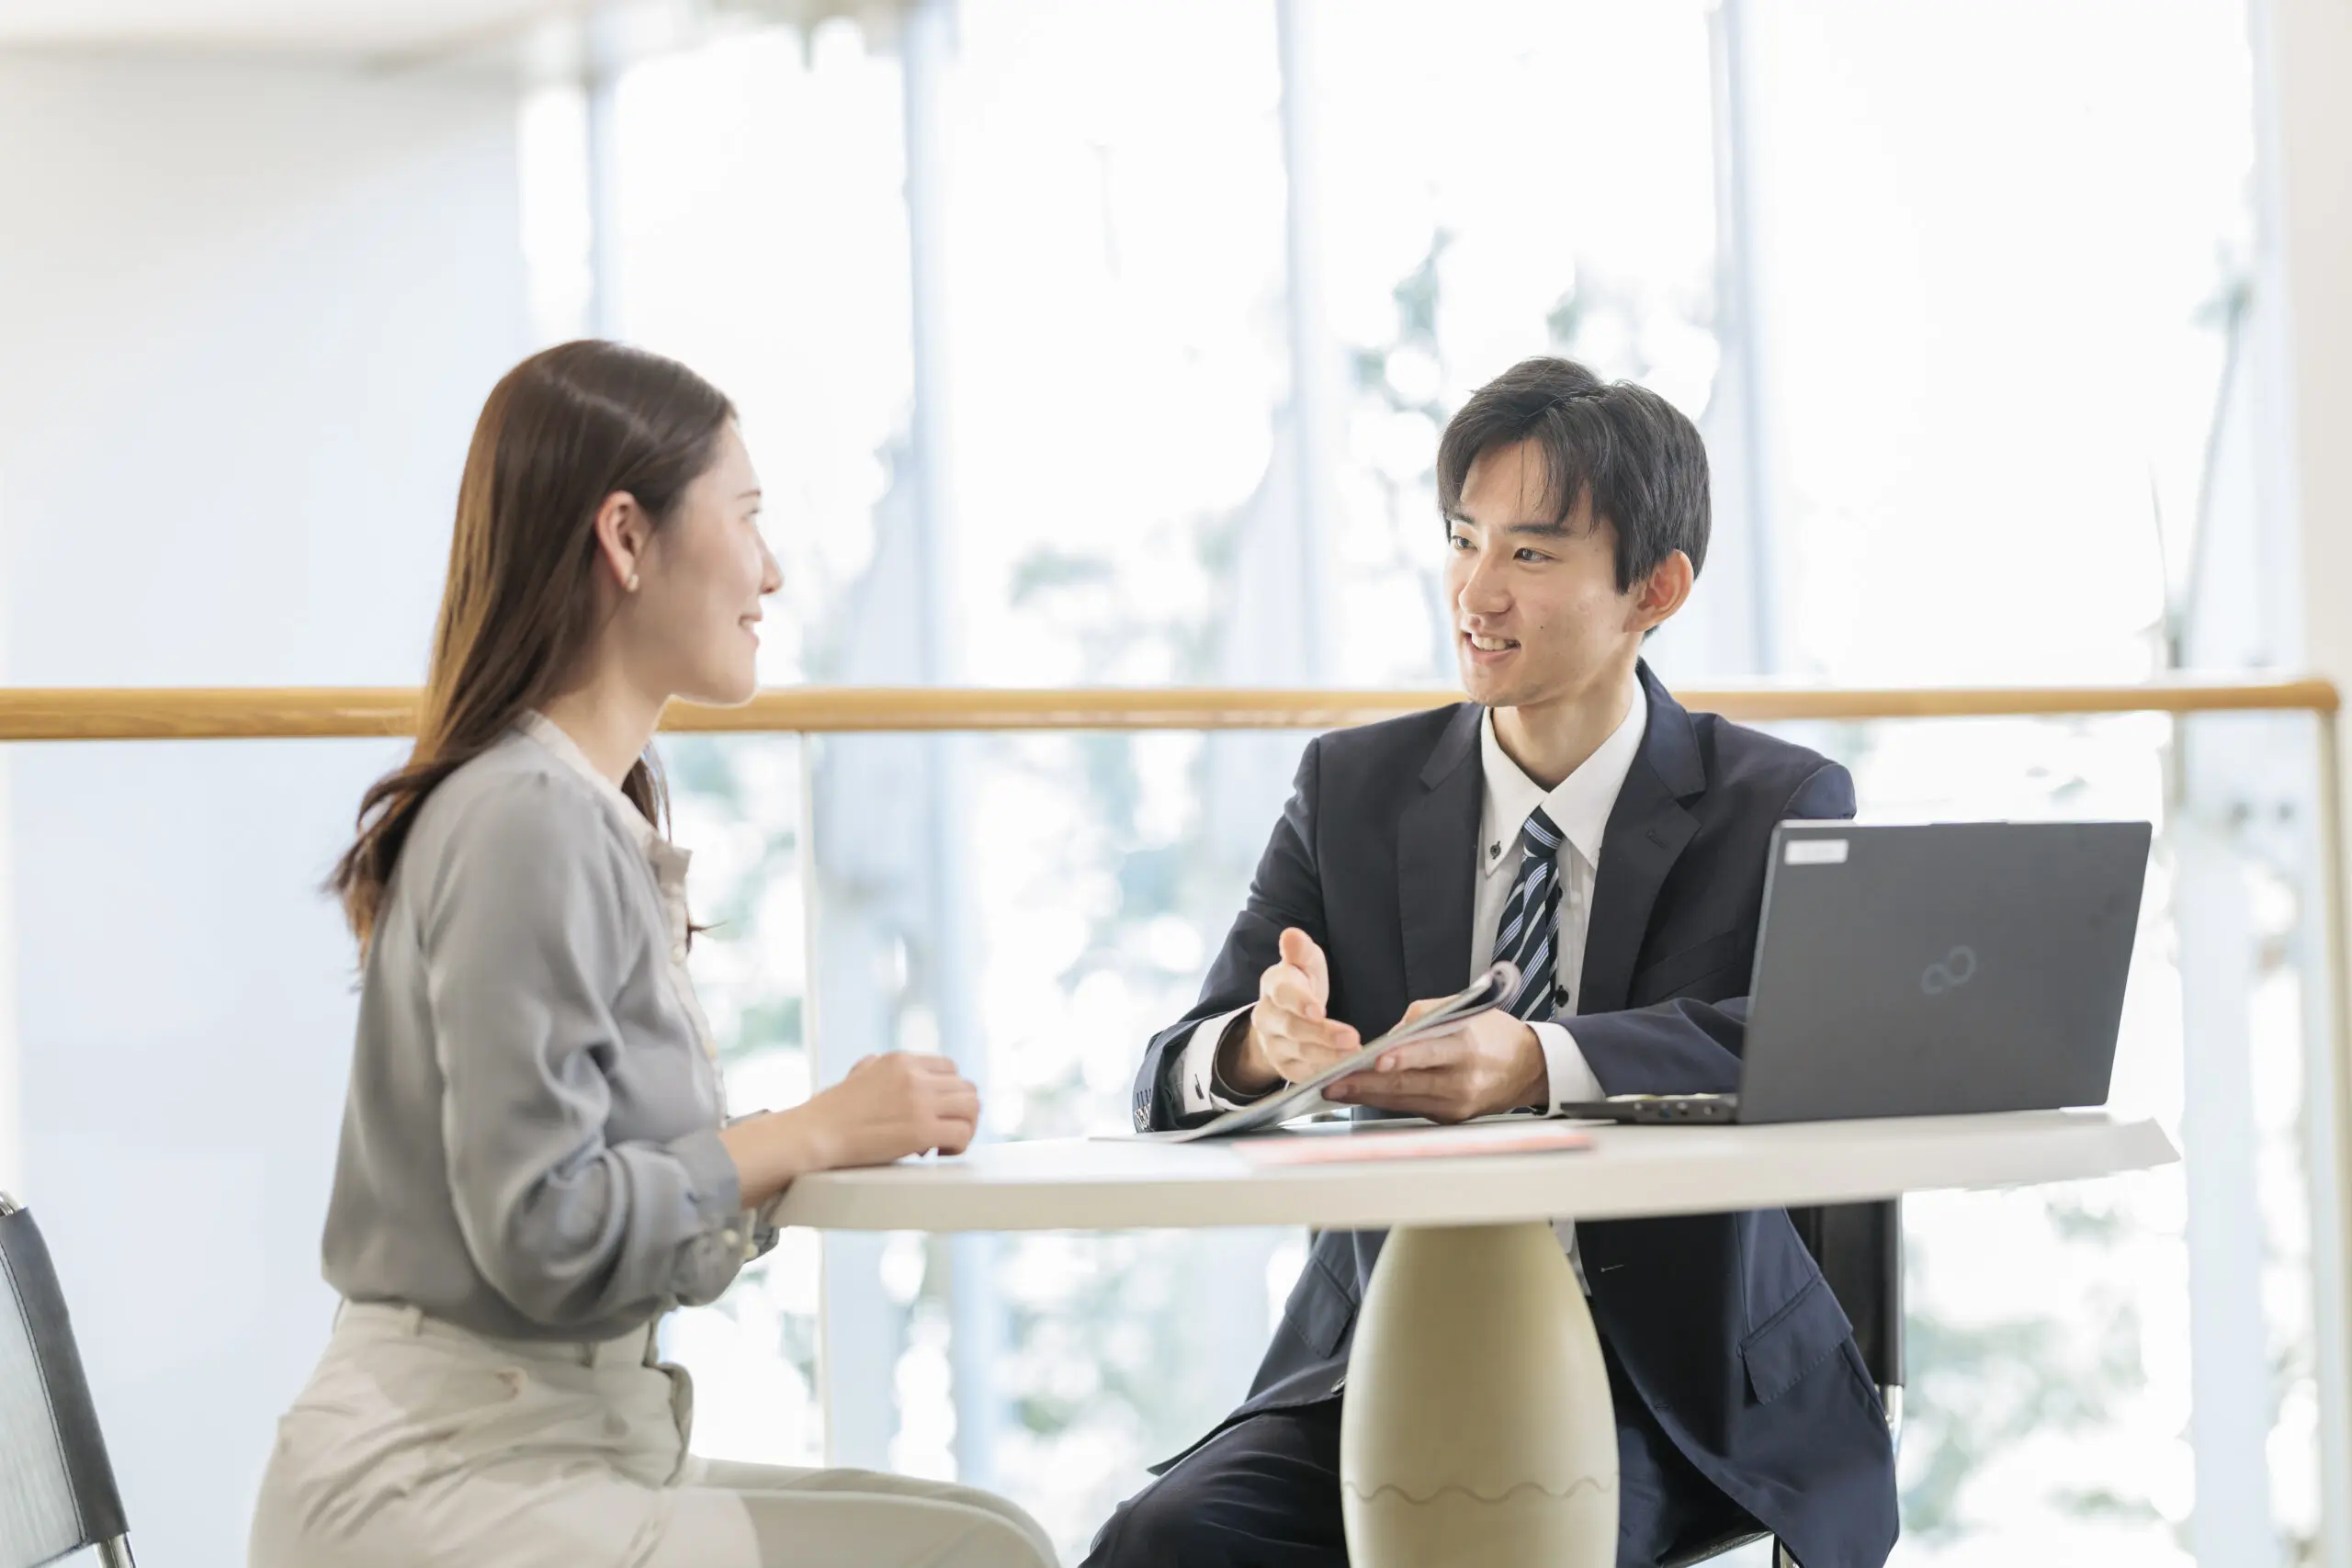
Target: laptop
[[1929, 970]]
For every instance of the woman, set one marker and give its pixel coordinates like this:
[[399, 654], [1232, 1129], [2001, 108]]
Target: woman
[[535, 1161]]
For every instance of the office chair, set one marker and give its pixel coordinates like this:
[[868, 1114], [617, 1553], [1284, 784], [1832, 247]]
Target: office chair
[[1859, 1248], [57, 1491]]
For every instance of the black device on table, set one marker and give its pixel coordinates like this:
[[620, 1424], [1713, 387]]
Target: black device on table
[[1929, 970]]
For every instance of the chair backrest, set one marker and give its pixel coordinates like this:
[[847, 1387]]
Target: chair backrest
[[57, 1490], [1859, 1248]]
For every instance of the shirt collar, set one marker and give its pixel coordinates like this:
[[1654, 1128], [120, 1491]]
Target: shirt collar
[[1578, 807], [667, 858]]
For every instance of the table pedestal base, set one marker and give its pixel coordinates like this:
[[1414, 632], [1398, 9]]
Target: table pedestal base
[[1477, 1428]]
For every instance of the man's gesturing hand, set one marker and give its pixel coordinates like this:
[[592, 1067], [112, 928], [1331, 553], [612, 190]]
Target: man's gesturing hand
[[1486, 1063], [1289, 1039]]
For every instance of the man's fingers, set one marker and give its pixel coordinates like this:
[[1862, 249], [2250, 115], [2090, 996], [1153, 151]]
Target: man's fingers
[[1438, 1080], [1300, 952], [1289, 989], [1308, 1061], [1430, 1051], [1301, 1065], [1436, 1107], [1274, 1022], [1313, 1044], [1420, 1094]]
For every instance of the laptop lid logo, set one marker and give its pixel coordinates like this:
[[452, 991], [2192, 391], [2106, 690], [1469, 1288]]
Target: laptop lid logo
[[1958, 968]]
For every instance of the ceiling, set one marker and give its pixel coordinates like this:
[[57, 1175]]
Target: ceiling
[[331, 28], [384, 32]]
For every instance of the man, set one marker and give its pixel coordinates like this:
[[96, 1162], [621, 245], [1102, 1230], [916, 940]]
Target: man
[[1574, 818]]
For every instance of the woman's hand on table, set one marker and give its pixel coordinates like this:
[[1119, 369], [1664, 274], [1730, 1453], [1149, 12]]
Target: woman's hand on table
[[885, 1109]]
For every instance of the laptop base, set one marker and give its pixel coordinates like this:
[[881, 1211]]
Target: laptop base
[[1657, 1110]]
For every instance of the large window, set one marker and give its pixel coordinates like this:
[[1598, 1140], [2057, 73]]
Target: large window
[[1087, 343], [2001, 266], [1503, 180]]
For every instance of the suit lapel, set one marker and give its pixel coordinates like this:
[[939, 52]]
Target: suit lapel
[[1647, 832], [1437, 862]]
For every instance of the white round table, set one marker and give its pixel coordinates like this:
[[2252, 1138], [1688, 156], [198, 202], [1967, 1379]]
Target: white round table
[[1138, 1184], [1448, 1455]]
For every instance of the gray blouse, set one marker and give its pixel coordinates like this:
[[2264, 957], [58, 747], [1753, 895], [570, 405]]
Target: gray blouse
[[530, 1143]]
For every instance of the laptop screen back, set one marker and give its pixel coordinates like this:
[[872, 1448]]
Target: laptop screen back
[[1938, 969]]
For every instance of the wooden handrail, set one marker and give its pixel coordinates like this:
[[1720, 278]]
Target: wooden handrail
[[232, 713]]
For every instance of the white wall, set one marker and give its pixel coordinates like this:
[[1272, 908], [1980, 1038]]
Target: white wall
[[2309, 56], [2306, 49], [247, 313]]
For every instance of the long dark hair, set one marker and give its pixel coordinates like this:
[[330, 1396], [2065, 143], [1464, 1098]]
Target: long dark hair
[[561, 432]]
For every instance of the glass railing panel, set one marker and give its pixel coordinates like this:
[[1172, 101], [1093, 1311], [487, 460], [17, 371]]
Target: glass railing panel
[[737, 804], [1038, 905], [2121, 1370]]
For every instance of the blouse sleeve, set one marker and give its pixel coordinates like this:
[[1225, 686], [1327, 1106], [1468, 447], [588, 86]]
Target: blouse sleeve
[[522, 942]]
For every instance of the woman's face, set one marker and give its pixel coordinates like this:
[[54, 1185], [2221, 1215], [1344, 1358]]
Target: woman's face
[[695, 620]]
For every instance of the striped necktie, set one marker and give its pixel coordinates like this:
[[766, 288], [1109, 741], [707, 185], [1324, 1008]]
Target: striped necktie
[[1529, 932]]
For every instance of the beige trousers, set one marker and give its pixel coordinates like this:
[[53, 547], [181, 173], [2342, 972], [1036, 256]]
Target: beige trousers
[[418, 1443]]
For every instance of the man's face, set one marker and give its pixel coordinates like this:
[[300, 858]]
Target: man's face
[[1537, 617]]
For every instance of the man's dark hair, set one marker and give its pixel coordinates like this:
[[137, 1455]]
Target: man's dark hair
[[1640, 459]]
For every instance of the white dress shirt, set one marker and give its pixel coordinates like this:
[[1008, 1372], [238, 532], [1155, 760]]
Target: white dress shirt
[[1579, 807]]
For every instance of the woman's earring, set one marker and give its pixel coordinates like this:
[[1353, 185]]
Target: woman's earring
[[632, 582]]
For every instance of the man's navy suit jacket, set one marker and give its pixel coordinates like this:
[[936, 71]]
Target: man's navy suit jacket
[[1722, 1322]]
